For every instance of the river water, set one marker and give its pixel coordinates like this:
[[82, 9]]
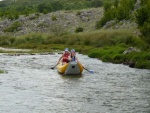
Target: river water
[[30, 86]]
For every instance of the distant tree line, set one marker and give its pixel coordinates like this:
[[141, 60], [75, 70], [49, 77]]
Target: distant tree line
[[13, 8]]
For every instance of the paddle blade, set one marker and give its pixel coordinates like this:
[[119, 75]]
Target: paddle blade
[[92, 72], [52, 67]]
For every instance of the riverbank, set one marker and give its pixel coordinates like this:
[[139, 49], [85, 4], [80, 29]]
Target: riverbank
[[106, 45]]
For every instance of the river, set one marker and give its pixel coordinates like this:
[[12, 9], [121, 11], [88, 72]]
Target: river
[[30, 86]]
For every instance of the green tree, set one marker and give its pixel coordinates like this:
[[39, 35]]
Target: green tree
[[108, 15], [44, 6], [96, 3], [56, 5], [107, 5], [143, 19], [116, 3]]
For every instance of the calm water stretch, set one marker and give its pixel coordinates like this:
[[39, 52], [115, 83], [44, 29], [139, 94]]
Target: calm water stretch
[[30, 86]]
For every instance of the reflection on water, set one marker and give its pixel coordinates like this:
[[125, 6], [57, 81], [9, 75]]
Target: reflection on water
[[30, 86]]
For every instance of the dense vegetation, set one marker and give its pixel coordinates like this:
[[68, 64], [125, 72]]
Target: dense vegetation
[[107, 46], [143, 19], [124, 10], [13, 8], [117, 11]]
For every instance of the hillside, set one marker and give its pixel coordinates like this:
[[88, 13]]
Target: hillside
[[13, 8], [58, 22]]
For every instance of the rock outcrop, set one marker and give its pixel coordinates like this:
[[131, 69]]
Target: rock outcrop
[[59, 21]]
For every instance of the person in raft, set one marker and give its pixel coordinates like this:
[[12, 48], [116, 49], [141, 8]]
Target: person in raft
[[65, 57], [73, 56]]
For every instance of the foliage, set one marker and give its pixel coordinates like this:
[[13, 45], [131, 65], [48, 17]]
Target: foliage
[[53, 18], [117, 10], [44, 7], [115, 54], [12, 9], [143, 19], [13, 27], [79, 29], [6, 40], [107, 45]]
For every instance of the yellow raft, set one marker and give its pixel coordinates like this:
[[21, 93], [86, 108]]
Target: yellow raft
[[71, 68]]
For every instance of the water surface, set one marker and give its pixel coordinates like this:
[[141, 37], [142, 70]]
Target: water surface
[[30, 86]]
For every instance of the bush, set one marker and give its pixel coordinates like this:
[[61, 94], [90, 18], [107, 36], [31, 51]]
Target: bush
[[19, 41], [13, 27], [53, 18], [94, 54], [108, 15], [143, 65], [96, 3], [113, 11], [143, 19], [6, 40], [145, 29], [79, 29]]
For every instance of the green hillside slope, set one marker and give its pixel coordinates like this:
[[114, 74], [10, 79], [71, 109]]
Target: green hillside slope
[[13, 8]]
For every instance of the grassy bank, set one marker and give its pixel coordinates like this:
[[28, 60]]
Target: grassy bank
[[107, 45], [115, 54]]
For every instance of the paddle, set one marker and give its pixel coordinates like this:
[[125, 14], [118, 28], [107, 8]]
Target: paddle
[[90, 71], [54, 66]]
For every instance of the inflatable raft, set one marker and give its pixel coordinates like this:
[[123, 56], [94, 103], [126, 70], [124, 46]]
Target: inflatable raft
[[71, 68]]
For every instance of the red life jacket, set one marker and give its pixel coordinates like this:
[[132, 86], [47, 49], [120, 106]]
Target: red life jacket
[[65, 57]]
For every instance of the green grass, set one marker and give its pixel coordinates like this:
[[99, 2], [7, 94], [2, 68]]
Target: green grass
[[107, 54], [115, 54], [107, 45]]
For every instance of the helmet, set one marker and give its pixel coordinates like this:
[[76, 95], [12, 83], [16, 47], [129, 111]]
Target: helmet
[[73, 50], [66, 49]]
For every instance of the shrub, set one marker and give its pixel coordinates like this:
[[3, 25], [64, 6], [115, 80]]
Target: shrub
[[87, 41], [143, 65], [6, 40], [114, 11], [13, 27], [79, 29], [53, 18], [78, 13], [94, 54], [143, 19], [145, 29], [19, 41]]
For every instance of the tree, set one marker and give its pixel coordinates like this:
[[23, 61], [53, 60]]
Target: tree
[[56, 5], [107, 5], [143, 19], [116, 2], [96, 3], [44, 6]]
